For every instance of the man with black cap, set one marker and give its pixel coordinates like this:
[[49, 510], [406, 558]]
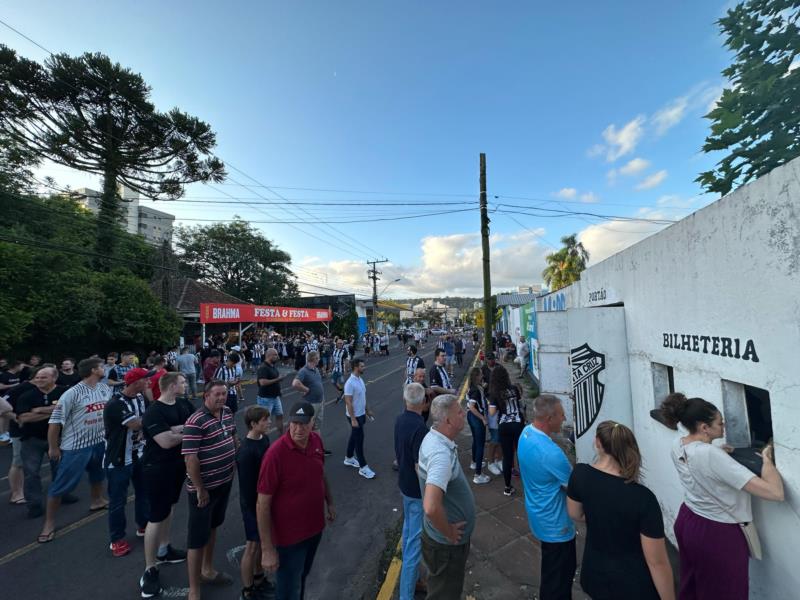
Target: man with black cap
[[291, 508], [122, 461]]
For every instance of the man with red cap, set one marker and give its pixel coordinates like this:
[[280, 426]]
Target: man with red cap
[[123, 457]]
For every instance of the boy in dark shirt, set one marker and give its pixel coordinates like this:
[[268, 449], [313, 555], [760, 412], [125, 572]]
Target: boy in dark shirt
[[248, 463]]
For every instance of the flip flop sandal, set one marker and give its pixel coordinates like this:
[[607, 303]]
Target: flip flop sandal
[[219, 579], [45, 538], [18, 502], [98, 508]]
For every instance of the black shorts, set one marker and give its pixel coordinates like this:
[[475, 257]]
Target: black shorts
[[211, 516], [250, 525], [163, 484]]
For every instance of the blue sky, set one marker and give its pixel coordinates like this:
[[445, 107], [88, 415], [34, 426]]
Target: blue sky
[[581, 106]]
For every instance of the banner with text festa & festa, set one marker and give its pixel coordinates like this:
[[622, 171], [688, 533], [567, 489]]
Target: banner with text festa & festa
[[251, 313]]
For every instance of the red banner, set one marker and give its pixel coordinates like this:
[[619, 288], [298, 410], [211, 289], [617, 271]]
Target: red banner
[[250, 313]]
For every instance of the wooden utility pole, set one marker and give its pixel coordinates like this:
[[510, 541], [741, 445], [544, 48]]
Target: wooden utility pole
[[487, 280], [373, 274]]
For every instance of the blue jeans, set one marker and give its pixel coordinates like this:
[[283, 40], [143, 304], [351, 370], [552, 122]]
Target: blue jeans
[[412, 546], [119, 479], [478, 440], [294, 564]]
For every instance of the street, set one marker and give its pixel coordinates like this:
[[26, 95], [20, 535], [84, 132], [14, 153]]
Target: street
[[78, 563]]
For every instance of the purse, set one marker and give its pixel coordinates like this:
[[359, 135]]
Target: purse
[[753, 541]]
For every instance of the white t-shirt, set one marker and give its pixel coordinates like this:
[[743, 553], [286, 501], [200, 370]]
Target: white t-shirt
[[713, 482], [356, 388]]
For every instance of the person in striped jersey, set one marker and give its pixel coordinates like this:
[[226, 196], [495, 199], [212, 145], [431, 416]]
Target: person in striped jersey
[[76, 436], [229, 375], [339, 358], [413, 362]]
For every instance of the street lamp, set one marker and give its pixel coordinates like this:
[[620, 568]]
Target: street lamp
[[386, 287], [375, 308]]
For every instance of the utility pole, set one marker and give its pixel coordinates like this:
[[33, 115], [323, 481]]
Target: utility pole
[[373, 274], [487, 282]]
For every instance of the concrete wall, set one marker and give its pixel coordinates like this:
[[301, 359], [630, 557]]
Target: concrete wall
[[730, 270]]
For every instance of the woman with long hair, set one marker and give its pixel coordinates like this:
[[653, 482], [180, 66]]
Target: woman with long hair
[[713, 547], [625, 554], [505, 400], [477, 419]]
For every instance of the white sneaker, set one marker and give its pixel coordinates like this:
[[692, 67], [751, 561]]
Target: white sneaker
[[366, 472], [494, 469], [480, 479], [472, 465], [352, 462]]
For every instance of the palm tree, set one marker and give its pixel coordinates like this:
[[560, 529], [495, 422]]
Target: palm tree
[[565, 265]]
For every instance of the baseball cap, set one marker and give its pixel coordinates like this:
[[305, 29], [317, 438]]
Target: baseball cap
[[136, 374], [301, 412]]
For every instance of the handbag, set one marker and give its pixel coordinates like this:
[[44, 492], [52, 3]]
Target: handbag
[[753, 541]]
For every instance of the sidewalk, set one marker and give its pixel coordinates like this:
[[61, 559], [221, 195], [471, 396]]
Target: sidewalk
[[504, 559]]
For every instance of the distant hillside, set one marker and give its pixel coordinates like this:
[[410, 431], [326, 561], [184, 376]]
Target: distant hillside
[[452, 301]]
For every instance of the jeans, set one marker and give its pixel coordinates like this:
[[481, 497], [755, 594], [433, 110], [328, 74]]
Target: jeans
[[446, 565], [478, 440], [119, 478], [509, 437], [33, 451], [356, 441], [412, 546], [294, 564]]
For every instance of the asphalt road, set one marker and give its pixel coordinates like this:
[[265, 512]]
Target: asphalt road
[[78, 564]]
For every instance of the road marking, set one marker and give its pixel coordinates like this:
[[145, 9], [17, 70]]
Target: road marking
[[59, 533], [393, 573]]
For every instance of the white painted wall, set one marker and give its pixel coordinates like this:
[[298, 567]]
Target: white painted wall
[[730, 269]]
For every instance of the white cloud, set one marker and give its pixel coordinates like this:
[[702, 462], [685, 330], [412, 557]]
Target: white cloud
[[604, 239], [670, 115], [452, 264], [652, 181], [622, 141], [567, 193], [634, 167], [795, 64], [589, 197]]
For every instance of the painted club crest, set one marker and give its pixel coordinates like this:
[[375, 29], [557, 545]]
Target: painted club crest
[[588, 391]]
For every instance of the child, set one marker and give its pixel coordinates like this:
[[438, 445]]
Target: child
[[248, 462]]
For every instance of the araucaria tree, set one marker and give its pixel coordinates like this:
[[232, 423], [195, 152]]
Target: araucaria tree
[[565, 266], [94, 115], [756, 120]]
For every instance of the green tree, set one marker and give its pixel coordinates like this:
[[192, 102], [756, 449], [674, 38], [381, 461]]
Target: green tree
[[565, 265], [390, 318], [756, 120], [94, 115], [345, 325], [237, 259]]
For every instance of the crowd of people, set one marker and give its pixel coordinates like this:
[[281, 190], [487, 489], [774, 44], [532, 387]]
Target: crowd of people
[[625, 555], [131, 423]]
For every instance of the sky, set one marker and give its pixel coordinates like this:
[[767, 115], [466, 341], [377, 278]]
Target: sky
[[590, 107]]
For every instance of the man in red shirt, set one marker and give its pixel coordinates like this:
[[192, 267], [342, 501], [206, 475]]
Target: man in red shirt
[[292, 494], [159, 366]]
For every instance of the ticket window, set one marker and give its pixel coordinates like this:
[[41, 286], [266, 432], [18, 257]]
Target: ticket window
[[748, 421], [663, 386]]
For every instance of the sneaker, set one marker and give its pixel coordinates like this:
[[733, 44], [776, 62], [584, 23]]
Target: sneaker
[[140, 532], [480, 479], [366, 472], [149, 584], [120, 548], [352, 462], [5, 439], [494, 469], [472, 465], [509, 491], [173, 556]]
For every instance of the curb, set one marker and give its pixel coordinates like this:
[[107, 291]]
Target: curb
[[393, 572]]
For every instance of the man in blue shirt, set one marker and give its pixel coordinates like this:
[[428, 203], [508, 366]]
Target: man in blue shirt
[[409, 431], [545, 472]]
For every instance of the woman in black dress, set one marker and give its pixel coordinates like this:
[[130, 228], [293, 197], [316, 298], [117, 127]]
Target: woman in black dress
[[625, 554]]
